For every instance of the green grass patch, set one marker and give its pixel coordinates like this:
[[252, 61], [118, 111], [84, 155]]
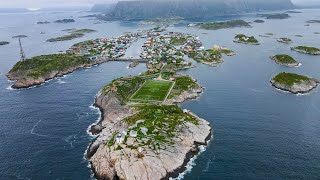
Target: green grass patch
[[178, 40], [42, 65], [161, 122], [289, 78], [66, 37], [152, 91], [307, 49], [210, 55], [246, 39], [183, 83], [284, 59], [223, 25]]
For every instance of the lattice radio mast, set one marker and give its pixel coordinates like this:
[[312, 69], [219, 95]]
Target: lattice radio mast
[[22, 54]]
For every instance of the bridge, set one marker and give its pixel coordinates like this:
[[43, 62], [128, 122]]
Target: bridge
[[129, 59]]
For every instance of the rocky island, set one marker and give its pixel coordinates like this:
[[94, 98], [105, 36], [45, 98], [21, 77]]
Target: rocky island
[[306, 50], [294, 83], [275, 16], [285, 40], [222, 25], [43, 22], [241, 38], [285, 60], [37, 70], [73, 35], [2, 43], [211, 57], [142, 134], [313, 21], [259, 21], [65, 21], [20, 36]]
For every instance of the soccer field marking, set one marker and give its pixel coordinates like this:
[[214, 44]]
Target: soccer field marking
[[146, 93], [169, 92]]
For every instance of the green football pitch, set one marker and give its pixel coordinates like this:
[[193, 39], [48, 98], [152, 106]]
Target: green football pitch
[[152, 91]]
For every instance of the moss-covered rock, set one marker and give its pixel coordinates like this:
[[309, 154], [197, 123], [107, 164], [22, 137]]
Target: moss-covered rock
[[294, 83], [241, 38], [286, 60], [306, 50]]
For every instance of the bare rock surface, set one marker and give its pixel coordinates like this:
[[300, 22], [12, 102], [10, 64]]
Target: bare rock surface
[[143, 162]]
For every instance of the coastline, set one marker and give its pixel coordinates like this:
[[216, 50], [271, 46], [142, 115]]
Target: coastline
[[94, 146], [241, 42], [18, 84], [288, 65], [283, 89]]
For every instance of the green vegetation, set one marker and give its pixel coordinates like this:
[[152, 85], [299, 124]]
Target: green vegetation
[[227, 51], [275, 16], [83, 31], [223, 25], [207, 56], [241, 38], [289, 78], [160, 121], [83, 44], [307, 50], [284, 40], [152, 91], [127, 86], [43, 65], [74, 33], [66, 37], [183, 83], [178, 40], [284, 59]]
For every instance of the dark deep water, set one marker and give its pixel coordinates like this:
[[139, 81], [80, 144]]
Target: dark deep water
[[259, 132]]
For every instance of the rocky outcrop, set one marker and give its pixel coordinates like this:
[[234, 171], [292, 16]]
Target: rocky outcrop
[[23, 81], [2, 43], [142, 163], [307, 50], [292, 63], [298, 87]]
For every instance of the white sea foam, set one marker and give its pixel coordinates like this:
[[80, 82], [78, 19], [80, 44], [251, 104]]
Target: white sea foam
[[98, 112], [256, 90], [61, 82], [70, 140], [33, 130], [10, 88], [190, 164]]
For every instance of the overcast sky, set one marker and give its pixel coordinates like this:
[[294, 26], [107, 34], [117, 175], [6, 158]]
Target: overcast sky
[[50, 3]]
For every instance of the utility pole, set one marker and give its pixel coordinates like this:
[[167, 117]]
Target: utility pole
[[22, 55]]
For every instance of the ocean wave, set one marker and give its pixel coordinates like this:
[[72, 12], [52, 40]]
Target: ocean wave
[[70, 140], [33, 130], [190, 164], [256, 90], [10, 88], [98, 112], [61, 82]]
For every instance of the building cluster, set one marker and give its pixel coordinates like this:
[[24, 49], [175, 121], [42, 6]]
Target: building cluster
[[104, 47], [160, 49]]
